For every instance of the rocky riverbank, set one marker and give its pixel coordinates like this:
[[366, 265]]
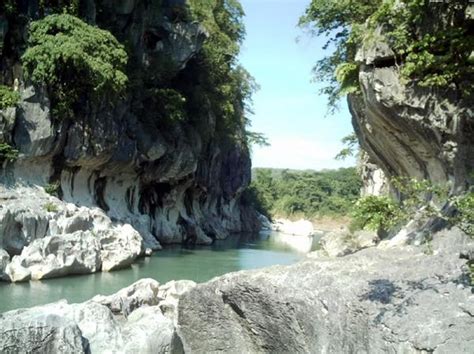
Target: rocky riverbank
[[397, 299]]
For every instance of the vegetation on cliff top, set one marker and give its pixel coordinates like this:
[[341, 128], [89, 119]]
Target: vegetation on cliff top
[[224, 84], [79, 62], [74, 59], [432, 41]]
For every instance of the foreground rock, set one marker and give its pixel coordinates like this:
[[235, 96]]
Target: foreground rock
[[394, 300], [101, 325], [378, 300]]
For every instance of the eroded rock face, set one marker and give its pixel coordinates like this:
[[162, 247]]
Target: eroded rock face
[[409, 130], [4, 260], [28, 332], [374, 180]]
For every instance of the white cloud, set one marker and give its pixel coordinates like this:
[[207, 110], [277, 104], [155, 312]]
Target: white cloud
[[299, 153]]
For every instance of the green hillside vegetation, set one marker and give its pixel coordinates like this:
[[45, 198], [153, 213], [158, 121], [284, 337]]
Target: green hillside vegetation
[[309, 194]]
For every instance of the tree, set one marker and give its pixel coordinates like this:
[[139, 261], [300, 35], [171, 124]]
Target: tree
[[434, 53], [73, 59]]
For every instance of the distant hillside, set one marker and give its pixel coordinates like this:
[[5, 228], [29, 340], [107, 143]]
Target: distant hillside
[[307, 193]]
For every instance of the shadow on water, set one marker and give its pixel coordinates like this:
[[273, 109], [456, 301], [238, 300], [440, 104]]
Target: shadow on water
[[201, 263]]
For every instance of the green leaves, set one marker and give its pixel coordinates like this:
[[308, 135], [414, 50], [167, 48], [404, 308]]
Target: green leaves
[[465, 214], [431, 40], [7, 153], [376, 213], [8, 97], [309, 193], [417, 197], [74, 58]]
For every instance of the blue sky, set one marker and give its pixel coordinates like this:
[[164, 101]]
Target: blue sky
[[288, 109]]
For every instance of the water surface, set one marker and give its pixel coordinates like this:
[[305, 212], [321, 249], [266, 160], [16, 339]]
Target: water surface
[[199, 264]]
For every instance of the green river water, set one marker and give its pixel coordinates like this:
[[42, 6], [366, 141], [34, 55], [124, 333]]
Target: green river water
[[173, 263]]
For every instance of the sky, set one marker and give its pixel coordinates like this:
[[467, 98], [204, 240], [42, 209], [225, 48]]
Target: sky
[[288, 109]]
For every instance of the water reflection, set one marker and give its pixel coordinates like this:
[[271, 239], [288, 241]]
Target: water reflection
[[199, 264]]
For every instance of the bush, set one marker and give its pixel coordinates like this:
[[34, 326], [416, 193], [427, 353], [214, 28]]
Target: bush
[[378, 213], [53, 188], [50, 207], [309, 193], [465, 217], [74, 59], [417, 197], [170, 105], [8, 97], [7, 153]]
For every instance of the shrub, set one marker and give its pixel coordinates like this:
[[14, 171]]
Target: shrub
[[170, 105], [7, 153], [50, 207], [53, 188], [8, 97], [74, 59], [308, 193], [378, 213], [465, 217]]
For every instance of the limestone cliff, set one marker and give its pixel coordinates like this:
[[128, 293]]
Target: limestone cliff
[[174, 181], [407, 129]]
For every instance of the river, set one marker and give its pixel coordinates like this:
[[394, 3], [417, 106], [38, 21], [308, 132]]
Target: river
[[200, 264]]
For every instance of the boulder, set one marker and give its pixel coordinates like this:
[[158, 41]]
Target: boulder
[[169, 295], [143, 292], [16, 272], [301, 227], [97, 324], [343, 242], [38, 331], [53, 256], [394, 300], [20, 225], [119, 247], [148, 331], [264, 222]]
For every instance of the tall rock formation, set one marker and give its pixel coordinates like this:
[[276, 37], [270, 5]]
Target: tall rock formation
[[409, 130], [174, 179]]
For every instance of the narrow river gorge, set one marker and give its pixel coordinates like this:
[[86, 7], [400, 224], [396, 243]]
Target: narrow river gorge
[[199, 264]]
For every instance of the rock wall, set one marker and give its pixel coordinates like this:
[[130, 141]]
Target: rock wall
[[174, 183], [373, 178], [424, 133], [409, 130]]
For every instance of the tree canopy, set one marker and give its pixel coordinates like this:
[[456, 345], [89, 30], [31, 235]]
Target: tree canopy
[[305, 193], [432, 41]]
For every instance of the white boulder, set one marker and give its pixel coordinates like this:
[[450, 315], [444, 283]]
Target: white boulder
[[301, 227]]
